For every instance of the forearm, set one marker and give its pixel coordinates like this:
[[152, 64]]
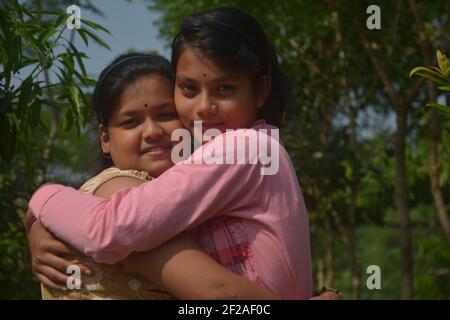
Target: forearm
[[107, 231], [235, 287], [143, 218], [186, 272]]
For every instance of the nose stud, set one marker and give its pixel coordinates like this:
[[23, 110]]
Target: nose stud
[[213, 109]]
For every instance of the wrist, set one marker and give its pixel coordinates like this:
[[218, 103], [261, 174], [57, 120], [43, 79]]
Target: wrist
[[29, 221]]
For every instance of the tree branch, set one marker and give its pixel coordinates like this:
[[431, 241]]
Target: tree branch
[[380, 69]]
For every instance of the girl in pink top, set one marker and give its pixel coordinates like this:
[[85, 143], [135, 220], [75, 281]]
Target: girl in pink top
[[249, 216]]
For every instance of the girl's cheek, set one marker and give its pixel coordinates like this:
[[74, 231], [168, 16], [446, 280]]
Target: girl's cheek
[[184, 104], [171, 126]]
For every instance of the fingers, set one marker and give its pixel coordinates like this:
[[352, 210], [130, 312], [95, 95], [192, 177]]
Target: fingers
[[52, 253], [47, 241], [56, 277], [60, 264], [49, 259], [49, 283], [55, 245]]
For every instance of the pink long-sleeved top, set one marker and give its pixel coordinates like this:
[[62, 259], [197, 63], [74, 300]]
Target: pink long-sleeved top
[[233, 207]]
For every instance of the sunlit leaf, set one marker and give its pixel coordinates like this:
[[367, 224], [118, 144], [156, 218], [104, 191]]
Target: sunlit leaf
[[444, 88], [443, 63], [417, 69]]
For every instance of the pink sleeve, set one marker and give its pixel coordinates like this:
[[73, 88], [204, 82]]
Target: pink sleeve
[[143, 218]]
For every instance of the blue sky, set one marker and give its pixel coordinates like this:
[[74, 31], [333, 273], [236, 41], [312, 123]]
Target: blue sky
[[131, 26]]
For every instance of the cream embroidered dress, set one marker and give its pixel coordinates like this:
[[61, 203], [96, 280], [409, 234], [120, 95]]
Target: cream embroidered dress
[[110, 281]]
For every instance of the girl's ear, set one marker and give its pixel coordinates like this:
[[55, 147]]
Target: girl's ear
[[104, 138], [263, 91]]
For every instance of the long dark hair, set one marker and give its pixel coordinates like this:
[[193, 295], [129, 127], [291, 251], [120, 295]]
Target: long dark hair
[[124, 71], [236, 39]]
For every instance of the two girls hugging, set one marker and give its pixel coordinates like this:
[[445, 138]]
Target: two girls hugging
[[145, 228]]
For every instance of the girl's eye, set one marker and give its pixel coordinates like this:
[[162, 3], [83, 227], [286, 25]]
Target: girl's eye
[[188, 89], [225, 89], [129, 123], [167, 116]]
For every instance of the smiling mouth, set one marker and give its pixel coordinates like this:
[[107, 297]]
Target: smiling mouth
[[156, 150]]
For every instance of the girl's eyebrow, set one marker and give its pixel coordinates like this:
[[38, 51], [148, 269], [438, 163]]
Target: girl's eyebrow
[[184, 78], [226, 77], [157, 107]]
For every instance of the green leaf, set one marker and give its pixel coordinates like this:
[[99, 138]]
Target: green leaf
[[437, 70], [67, 60], [35, 113], [14, 51], [87, 110], [443, 63], [444, 88], [79, 56], [68, 120], [17, 9], [74, 96], [25, 96], [90, 81], [415, 70], [47, 12], [60, 21], [27, 61], [430, 77], [83, 36], [96, 38], [441, 107], [38, 47], [46, 34], [95, 26], [8, 133]]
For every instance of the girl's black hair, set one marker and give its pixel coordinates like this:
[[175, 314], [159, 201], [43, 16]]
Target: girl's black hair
[[235, 38], [124, 71]]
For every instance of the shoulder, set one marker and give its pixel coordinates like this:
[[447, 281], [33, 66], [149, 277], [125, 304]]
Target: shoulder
[[112, 176], [109, 187]]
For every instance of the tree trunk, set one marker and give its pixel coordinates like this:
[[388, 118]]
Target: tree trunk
[[434, 173], [348, 234], [434, 130], [320, 274], [401, 194], [352, 208], [329, 255], [401, 203], [54, 129]]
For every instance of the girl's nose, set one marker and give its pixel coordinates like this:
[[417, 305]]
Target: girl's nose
[[152, 130], [206, 106]]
